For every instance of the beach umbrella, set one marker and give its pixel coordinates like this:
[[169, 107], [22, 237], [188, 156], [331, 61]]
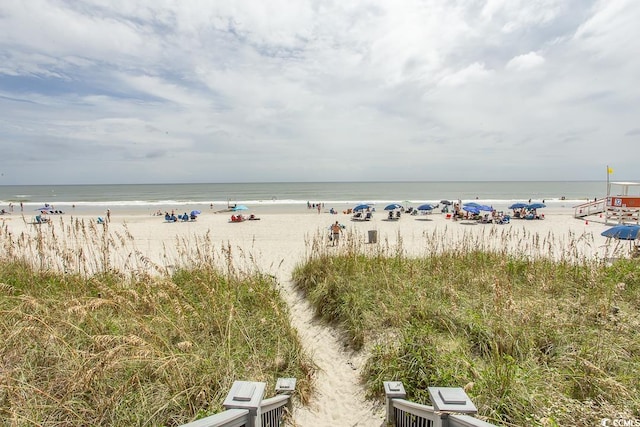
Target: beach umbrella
[[536, 206], [622, 232], [239, 208], [392, 206], [471, 209], [446, 202], [425, 207], [194, 213], [46, 208], [361, 207], [485, 208], [474, 204], [518, 205]]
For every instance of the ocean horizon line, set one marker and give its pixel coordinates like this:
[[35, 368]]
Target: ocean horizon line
[[312, 182]]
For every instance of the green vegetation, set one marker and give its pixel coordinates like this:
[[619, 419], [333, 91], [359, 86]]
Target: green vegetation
[[134, 350], [533, 341]]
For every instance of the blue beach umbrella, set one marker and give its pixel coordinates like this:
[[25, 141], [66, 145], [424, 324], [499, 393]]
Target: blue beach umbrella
[[471, 209], [473, 204], [485, 208], [240, 208], [518, 205], [622, 232], [425, 207], [361, 207], [536, 206], [194, 213], [392, 206]]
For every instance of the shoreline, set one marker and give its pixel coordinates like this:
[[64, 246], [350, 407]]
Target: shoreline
[[552, 208]]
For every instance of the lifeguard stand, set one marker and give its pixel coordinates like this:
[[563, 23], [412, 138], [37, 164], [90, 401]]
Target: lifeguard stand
[[623, 207], [618, 206]]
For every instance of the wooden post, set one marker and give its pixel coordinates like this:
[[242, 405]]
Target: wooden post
[[393, 390], [246, 395]]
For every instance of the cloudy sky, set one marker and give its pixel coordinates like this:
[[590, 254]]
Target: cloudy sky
[[154, 91]]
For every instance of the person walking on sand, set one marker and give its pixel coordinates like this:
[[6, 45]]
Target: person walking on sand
[[108, 215], [335, 233]]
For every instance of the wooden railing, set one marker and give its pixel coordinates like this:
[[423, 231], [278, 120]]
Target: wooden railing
[[245, 406], [590, 208], [451, 408]]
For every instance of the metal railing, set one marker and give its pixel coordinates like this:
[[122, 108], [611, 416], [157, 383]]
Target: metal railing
[[245, 406]]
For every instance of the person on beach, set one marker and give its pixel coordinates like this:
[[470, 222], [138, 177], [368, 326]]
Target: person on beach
[[108, 215], [335, 233]]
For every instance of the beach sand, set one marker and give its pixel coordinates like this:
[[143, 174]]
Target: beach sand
[[277, 242]]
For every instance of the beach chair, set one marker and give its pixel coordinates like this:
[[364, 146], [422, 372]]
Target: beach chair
[[368, 216], [357, 216]]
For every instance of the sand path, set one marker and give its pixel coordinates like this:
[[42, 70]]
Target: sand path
[[338, 399]]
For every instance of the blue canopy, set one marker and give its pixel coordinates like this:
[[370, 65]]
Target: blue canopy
[[622, 232], [361, 207], [471, 209], [536, 206], [474, 204], [485, 208], [425, 207]]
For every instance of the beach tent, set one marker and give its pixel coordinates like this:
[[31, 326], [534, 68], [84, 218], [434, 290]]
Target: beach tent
[[536, 206], [471, 209]]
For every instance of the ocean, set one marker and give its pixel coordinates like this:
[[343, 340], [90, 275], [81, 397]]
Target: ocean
[[281, 195]]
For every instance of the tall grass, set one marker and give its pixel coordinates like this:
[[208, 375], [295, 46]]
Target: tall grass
[[95, 334], [535, 339]]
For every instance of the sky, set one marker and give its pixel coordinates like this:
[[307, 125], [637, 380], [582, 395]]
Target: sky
[[166, 91]]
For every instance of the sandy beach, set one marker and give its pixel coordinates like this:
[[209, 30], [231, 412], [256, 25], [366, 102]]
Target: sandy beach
[[278, 241]]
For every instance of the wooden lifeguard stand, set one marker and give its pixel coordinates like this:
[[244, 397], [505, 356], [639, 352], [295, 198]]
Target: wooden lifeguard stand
[[623, 207], [618, 206]]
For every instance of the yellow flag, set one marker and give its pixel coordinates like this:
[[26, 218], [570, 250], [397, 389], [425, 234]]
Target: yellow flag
[[609, 170]]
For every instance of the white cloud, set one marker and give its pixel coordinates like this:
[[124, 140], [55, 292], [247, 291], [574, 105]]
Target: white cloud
[[420, 84], [525, 62], [473, 73]]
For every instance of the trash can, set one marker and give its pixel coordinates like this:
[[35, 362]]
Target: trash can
[[373, 236]]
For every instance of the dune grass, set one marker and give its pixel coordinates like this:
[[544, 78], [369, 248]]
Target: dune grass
[[534, 341], [104, 345]]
